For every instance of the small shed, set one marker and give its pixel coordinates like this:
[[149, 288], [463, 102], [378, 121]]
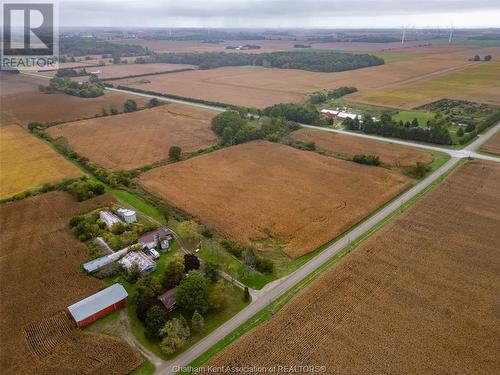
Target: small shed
[[168, 299], [98, 305]]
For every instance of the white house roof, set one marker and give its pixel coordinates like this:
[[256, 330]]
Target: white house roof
[[139, 259], [125, 212], [97, 302], [347, 115]]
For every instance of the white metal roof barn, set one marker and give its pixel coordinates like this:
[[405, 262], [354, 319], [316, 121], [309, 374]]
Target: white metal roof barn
[[98, 305]]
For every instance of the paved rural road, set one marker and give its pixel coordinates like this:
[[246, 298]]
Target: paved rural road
[[276, 289]]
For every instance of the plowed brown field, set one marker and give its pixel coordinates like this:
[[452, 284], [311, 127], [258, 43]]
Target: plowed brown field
[[140, 138], [259, 87], [122, 70], [259, 190], [22, 103], [493, 145], [344, 145], [419, 297], [40, 276]]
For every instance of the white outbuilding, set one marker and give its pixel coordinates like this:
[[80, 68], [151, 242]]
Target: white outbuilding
[[127, 215]]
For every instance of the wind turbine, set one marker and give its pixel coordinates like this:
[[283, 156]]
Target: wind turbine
[[451, 34], [403, 37]]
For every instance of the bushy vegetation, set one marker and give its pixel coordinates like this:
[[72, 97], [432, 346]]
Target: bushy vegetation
[[306, 114], [89, 226], [366, 159], [323, 96], [316, 61], [249, 257], [70, 87], [80, 46], [418, 170], [70, 72], [85, 189], [436, 131]]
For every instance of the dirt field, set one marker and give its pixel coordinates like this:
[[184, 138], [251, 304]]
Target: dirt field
[[261, 87], [40, 276], [419, 297], [26, 162], [239, 192], [493, 145], [122, 70], [347, 146], [22, 102], [476, 83], [140, 138]]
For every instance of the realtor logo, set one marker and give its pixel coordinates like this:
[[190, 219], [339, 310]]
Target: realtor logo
[[29, 35]]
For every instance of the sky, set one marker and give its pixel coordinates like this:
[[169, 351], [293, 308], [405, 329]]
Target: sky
[[280, 13]]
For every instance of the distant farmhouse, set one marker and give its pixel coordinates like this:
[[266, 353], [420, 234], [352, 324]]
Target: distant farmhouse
[[157, 239]]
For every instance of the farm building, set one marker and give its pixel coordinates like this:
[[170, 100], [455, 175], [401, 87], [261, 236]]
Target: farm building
[[155, 238], [127, 215], [339, 115], [168, 299], [98, 305], [109, 218], [140, 260], [97, 264]]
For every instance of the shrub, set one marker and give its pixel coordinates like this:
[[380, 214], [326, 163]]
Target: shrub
[[219, 297], [144, 306], [418, 170], [264, 265], [174, 153], [197, 322], [175, 334], [191, 262], [130, 106], [366, 159]]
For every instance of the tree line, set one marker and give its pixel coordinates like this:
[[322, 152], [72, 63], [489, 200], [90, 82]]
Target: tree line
[[75, 88], [435, 132], [316, 61]]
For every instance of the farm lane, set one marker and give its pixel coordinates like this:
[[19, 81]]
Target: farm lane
[[281, 286]]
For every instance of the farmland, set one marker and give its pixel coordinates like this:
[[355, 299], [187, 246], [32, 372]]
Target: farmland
[[26, 162], [124, 70], [140, 138], [476, 83], [260, 87], [416, 279], [493, 145], [40, 273], [239, 192], [348, 146], [22, 102]]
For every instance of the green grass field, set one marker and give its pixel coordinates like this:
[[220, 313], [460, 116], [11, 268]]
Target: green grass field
[[421, 116]]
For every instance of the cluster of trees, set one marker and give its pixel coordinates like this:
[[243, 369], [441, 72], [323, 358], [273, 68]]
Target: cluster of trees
[[435, 132], [69, 72], [418, 170], [80, 46], [198, 291], [366, 159], [321, 97], [70, 87], [85, 189], [478, 58], [306, 114], [490, 120], [89, 226], [249, 258], [316, 61], [301, 46], [235, 129]]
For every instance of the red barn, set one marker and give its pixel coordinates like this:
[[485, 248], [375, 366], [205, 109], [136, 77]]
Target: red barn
[[98, 305]]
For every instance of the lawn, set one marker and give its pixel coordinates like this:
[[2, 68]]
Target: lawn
[[421, 116]]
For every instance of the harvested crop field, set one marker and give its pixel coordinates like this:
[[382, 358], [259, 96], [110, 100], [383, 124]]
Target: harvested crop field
[[493, 145], [260, 87], [348, 146], [239, 191], [22, 102], [26, 162], [132, 140], [419, 297], [477, 83], [40, 276], [124, 70]]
